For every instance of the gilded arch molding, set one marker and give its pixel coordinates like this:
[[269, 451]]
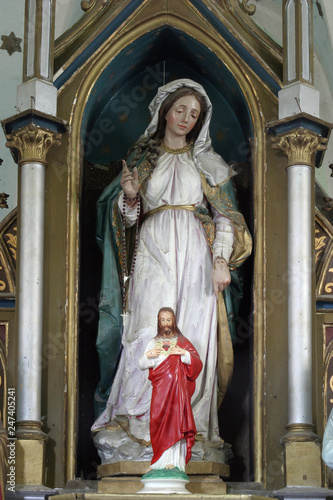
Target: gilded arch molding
[[235, 14], [88, 76]]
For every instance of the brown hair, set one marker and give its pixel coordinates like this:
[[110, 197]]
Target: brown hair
[[151, 147], [167, 105]]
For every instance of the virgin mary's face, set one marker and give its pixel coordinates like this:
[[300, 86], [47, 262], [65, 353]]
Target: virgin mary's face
[[182, 116]]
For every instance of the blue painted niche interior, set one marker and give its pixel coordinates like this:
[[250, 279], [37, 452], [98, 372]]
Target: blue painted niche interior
[[116, 113]]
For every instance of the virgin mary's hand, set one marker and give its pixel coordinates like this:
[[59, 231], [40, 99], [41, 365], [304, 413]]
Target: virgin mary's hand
[[220, 275], [129, 181]]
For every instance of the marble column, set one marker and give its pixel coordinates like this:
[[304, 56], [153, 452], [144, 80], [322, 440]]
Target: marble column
[[299, 135], [300, 145], [302, 451], [31, 143], [30, 135]]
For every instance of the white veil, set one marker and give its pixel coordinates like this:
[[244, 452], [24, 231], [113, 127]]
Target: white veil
[[212, 165]]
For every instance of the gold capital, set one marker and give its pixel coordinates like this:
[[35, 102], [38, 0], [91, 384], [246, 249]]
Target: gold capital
[[300, 145], [33, 143]]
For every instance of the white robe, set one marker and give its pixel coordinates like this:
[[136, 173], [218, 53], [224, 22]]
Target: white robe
[[173, 269]]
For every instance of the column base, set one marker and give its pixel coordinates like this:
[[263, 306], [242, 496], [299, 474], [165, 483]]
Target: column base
[[30, 453], [302, 456]]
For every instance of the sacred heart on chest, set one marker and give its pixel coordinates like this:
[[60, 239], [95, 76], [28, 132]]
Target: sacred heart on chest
[[166, 345]]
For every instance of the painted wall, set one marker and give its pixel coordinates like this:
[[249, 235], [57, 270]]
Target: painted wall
[[267, 16], [67, 13], [12, 20], [323, 44]]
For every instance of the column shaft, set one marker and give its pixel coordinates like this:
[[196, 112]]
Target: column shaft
[[30, 291], [299, 294]]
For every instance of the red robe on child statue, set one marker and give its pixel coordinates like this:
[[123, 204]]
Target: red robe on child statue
[[171, 417]]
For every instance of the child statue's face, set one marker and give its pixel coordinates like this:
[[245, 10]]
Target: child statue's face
[[182, 116]]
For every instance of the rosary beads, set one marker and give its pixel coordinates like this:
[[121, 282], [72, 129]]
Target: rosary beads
[[126, 277]]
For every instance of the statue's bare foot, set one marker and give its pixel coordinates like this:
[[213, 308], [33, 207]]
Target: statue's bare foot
[[170, 466], [148, 470]]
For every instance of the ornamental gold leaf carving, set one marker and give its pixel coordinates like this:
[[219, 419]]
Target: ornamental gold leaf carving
[[249, 9], [87, 5], [33, 143], [12, 243], [319, 245], [328, 286], [299, 145], [320, 242]]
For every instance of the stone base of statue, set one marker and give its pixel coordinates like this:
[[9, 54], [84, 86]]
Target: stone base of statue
[[132, 485], [125, 477], [132, 468], [165, 482], [115, 446], [125, 461]]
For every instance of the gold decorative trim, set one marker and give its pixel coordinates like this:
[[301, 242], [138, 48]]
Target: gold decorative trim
[[241, 13], [33, 143], [30, 430], [3, 372], [87, 5], [323, 253], [4, 345], [300, 145], [98, 14], [8, 249], [248, 9], [300, 433], [94, 69], [325, 380], [266, 51], [327, 353], [178, 151]]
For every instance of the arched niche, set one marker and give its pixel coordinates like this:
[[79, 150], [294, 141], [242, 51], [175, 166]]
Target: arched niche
[[109, 112], [116, 112]]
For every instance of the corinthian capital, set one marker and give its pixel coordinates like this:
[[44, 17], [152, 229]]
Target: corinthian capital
[[33, 143], [300, 145]]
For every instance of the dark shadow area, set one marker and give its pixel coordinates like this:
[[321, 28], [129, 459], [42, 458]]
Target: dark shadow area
[[94, 180]]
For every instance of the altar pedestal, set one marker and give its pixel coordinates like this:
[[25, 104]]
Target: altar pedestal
[[125, 477]]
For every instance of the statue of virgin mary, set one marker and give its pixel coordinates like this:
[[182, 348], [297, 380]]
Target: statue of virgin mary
[[169, 228]]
